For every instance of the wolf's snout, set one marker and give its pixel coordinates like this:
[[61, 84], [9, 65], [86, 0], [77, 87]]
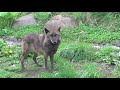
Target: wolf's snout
[[55, 42]]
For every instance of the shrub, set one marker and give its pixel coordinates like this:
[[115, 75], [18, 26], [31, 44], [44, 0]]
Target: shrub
[[42, 17], [5, 50], [7, 19], [78, 52], [106, 55]]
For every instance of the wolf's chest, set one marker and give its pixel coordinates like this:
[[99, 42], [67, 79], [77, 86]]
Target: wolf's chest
[[52, 49]]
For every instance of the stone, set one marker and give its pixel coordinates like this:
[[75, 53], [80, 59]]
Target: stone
[[60, 21], [25, 20]]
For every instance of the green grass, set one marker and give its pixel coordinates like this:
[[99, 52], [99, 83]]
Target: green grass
[[21, 31], [90, 70], [108, 55], [5, 74], [27, 30], [78, 52], [63, 70], [99, 34], [90, 34], [42, 17]]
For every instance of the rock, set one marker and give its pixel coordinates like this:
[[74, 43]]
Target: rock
[[13, 65], [115, 47], [117, 42], [9, 43], [24, 20], [13, 39], [60, 21], [19, 40], [53, 24], [4, 38]]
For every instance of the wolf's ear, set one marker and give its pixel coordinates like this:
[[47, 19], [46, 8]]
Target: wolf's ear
[[59, 29], [46, 31]]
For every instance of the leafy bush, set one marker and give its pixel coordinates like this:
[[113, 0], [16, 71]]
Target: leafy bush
[[106, 55], [7, 19], [72, 34], [7, 32], [17, 51], [42, 17], [5, 49], [98, 34], [1, 45], [78, 15], [78, 52], [89, 34]]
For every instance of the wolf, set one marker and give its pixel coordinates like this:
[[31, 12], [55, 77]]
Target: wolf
[[46, 44]]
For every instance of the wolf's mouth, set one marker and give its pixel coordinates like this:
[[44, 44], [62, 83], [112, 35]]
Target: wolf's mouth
[[53, 42]]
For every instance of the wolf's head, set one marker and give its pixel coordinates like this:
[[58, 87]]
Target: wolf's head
[[53, 35]]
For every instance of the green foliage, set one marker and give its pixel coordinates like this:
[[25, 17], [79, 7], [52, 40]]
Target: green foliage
[[110, 20], [5, 49], [65, 70], [7, 19], [11, 13], [1, 43], [98, 34], [90, 70], [69, 34], [106, 55], [21, 31], [4, 74], [78, 52], [6, 32], [17, 52], [78, 15], [42, 17], [89, 34]]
